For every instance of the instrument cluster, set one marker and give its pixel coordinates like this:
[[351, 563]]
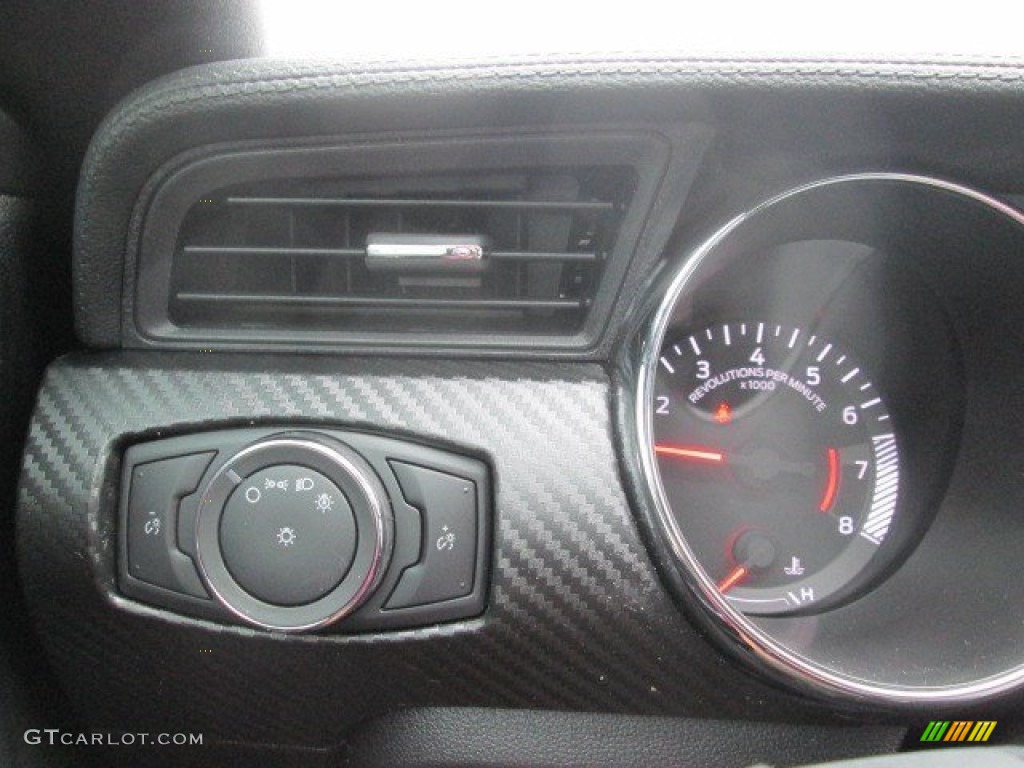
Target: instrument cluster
[[816, 392]]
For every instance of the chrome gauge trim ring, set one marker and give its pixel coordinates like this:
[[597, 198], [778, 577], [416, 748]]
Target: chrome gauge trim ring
[[738, 627]]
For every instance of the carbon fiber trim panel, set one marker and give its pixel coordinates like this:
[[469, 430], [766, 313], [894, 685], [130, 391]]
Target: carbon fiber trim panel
[[577, 618]]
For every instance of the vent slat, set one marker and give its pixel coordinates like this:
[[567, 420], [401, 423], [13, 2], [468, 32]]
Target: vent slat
[[350, 253], [284, 300], [233, 250], [582, 256], [547, 206]]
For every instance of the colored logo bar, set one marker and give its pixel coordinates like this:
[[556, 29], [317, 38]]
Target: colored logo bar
[[959, 730]]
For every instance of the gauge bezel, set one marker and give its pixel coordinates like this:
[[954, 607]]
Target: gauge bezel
[[740, 632]]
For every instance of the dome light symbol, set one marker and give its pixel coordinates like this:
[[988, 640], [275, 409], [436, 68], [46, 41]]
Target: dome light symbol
[[286, 537]]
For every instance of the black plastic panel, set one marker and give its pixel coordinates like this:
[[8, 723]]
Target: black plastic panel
[[431, 495], [576, 617], [451, 520], [151, 495]]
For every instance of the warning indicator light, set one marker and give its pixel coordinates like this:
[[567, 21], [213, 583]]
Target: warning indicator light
[[723, 413]]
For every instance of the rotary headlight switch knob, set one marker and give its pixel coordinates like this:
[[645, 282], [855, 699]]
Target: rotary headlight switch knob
[[288, 535], [294, 532]]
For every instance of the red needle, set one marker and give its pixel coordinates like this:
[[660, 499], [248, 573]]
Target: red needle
[[738, 574], [689, 452]]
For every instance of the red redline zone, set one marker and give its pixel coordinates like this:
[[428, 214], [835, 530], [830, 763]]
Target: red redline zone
[[832, 485], [689, 452]]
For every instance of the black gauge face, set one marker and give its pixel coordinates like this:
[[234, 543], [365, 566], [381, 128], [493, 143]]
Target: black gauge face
[[778, 460]]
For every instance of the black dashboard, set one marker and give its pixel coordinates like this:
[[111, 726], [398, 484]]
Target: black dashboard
[[540, 411]]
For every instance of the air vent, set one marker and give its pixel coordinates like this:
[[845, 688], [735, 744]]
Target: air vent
[[455, 245], [296, 255]]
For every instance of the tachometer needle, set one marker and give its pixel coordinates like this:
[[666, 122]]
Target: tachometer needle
[[689, 452], [738, 574]]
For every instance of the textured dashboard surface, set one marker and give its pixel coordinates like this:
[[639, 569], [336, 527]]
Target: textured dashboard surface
[[507, 739], [262, 100], [577, 619]]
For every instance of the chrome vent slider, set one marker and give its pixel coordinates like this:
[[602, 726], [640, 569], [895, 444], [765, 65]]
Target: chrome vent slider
[[426, 253]]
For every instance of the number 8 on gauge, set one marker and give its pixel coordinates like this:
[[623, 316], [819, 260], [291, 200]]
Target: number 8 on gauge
[[778, 460]]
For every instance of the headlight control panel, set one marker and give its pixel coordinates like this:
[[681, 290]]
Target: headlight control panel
[[294, 530]]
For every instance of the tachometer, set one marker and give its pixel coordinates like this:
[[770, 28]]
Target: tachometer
[[778, 460]]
